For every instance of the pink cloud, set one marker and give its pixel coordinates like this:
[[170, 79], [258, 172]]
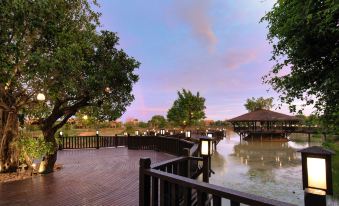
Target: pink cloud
[[235, 58], [196, 15]]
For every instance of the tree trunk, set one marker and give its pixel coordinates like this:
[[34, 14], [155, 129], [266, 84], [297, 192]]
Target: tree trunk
[[49, 160], [8, 149]]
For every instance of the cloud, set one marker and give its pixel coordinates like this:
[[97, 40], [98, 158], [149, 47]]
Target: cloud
[[235, 58], [196, 15]]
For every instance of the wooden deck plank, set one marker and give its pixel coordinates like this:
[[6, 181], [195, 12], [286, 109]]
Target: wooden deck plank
[[108, 176]]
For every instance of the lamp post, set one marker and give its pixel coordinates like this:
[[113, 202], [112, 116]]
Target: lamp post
[[316, 174], [162, 131], [188, 134], [97, 137], [61, 140], [205, 151]]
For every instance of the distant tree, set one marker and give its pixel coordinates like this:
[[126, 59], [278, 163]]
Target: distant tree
[[305, 42], [143, 125], [157, 121], [219, 123], [187, 110], [259, 103]]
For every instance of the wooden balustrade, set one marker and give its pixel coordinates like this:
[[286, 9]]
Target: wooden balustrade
[[170, 184], [81, 142]]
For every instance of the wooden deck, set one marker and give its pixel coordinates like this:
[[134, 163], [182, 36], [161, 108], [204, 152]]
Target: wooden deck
[[108, 176]]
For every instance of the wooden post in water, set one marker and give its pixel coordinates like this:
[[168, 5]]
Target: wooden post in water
[[144, 182]]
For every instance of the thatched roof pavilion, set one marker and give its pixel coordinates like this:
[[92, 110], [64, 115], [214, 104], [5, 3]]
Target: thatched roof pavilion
[[264, 115], [265, 122]]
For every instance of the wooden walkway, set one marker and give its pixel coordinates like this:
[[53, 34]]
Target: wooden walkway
[[108, 176]]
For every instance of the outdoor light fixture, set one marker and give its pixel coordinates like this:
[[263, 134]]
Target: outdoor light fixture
[[97, 132], [125, 133], [85, 117], [181, 132], [40, 97], [137, 132], [171, 133], [60, 133], [210, 134], [205, 146], [316, 174], [145, 133], [162, 131], [188, 134]]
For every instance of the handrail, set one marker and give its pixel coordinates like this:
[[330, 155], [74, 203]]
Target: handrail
[[215, 190]]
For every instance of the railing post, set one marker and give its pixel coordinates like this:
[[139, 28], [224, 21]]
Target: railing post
[[187, 153], [116, 141], [144, 182], [205, 175], [97, 138]]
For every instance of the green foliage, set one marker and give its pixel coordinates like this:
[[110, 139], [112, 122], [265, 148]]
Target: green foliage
[[259, 103], [143, 125], [304, 35], [187, 110], [129, 127], [33, 148], [334, 145], [157, 121]]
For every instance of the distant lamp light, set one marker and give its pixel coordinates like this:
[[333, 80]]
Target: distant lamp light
[[316, 174], [125, 133], [40, 97], [205, 146], [61, 133], [210, 134], [171, 133], [188, 134], [97, 132], [181, 131], [137, 132], [162, 131], [85, 117], [145, 133], [108, 90]]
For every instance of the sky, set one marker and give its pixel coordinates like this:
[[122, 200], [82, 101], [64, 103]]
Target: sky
[[215, 47]]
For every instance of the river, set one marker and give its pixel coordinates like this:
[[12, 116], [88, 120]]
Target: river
[[269, 169]]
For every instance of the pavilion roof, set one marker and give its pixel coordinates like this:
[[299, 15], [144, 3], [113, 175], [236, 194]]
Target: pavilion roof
[[264, 115]]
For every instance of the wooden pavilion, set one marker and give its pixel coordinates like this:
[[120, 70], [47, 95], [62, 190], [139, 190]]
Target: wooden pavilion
[[265, 124]]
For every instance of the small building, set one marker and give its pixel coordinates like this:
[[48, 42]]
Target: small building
[[265, 124]]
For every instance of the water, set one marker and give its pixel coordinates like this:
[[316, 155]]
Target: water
[[269, 169]]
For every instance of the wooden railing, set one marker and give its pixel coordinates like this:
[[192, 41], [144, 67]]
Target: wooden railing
[[169, 183], [81, 142], [169, 145]]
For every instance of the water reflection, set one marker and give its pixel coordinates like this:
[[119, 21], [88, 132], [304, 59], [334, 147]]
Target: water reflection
[[266, 155], [269, 169]]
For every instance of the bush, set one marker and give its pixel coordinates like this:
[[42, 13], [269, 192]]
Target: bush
[[32, 148]]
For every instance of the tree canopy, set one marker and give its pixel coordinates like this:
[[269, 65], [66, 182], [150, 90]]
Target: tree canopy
[[54, 48], [157, 121], [259, 103], [188, 109], [305, 42]]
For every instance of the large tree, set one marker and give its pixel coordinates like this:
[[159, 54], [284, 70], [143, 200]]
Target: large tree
[[187, 110], [305, 42], [157, 121], [259, 103], [54, 48]]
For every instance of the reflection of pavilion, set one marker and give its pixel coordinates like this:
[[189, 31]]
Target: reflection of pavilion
[[266, 155], [264, 124]]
